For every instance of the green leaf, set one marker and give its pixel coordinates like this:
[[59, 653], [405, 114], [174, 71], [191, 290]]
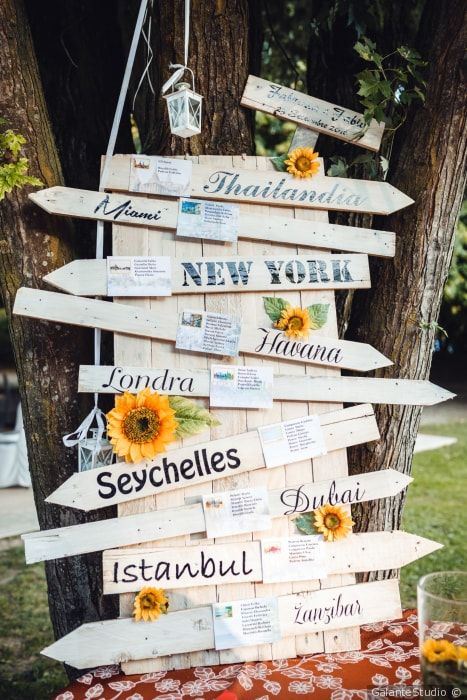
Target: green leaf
[[318, 314], [191, 417], [274, 306], [304, 523], [338, 168], [279, 162]]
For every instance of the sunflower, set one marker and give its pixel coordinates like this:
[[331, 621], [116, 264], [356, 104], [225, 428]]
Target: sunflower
[[461, 654], [295, 322], [332, 522], [139, 427], [302, 162], [149, 604], [438, 650]]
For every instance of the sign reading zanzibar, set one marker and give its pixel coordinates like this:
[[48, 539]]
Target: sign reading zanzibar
[[316, 114], [157, 213], [268, 342], [104, 642], [226, 274]]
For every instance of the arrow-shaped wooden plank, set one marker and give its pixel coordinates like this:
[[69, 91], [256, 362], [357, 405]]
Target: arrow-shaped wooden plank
[[189, 519], [265, 342], [224, 274], [278, 188], [163, 214], [200, 463], [115, 641], [287, 387], [132, 568], [323, 117]]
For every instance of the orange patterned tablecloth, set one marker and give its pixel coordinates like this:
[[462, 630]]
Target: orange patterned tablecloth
[[389, 656]]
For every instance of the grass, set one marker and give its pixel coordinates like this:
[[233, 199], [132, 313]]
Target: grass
[[435, 509], [24, 630]]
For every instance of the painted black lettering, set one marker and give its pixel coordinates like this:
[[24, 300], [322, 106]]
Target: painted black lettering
[[101, 476]]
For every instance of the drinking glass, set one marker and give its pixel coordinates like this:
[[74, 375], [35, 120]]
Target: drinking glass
[[442, 624]]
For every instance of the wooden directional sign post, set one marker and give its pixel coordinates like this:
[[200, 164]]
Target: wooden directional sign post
[[200, 463], [227, 274], [318, 115], [114, 641], [278, 189], [259, 341], [156, 213], [287, 387], [132, 568]]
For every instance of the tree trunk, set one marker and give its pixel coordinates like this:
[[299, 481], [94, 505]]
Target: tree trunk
[[224, 48], [47, 355], [399, 313]]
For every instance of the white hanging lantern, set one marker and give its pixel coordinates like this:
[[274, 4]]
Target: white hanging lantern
[[184, 105], [94, 451]]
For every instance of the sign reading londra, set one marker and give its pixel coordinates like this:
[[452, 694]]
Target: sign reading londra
[[110, 641], [267, 342], [287, 387], [323, 117], [163, 213], [207, 461], [189, 519], [230, 274], [279, 189], [129, 569]]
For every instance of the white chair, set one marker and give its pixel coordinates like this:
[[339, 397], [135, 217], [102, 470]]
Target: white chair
[[14, 466]]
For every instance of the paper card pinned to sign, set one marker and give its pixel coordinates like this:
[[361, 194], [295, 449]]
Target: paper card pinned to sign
[[203, 219], [159, 175], [241, 386], [234, 512], [203, 331], [300, 558], [246, 623], [139, 276], [292, 441]]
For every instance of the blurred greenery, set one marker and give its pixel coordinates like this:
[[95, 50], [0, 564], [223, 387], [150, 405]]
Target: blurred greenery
[[435, 508], [25, 629], [453, 316], [6, 351]]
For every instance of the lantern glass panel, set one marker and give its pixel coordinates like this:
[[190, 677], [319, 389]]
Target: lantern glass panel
[[91, 455]]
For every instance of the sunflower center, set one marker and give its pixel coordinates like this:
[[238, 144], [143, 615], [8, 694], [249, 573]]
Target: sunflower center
[[148, 602], [141, 425], [331, 521], [296, 323], [303, 164]]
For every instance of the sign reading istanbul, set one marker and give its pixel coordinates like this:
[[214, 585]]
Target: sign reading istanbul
[[261, 341], [131, 568], [280, 189], [207, 461], [193, 629], [318, 115], [189, 519], [286, 387], [163, 214], [226, 274]]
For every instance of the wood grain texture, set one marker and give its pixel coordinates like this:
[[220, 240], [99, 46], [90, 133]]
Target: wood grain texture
[[156, 213]]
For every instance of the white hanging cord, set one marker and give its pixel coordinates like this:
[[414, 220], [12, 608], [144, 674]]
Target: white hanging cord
[[178, 67], [187, 30], [149, 57], [96, 413]]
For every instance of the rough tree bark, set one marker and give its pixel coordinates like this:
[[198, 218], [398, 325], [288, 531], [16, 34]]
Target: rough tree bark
[[224, 47], [399, 313], [47, 356]]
